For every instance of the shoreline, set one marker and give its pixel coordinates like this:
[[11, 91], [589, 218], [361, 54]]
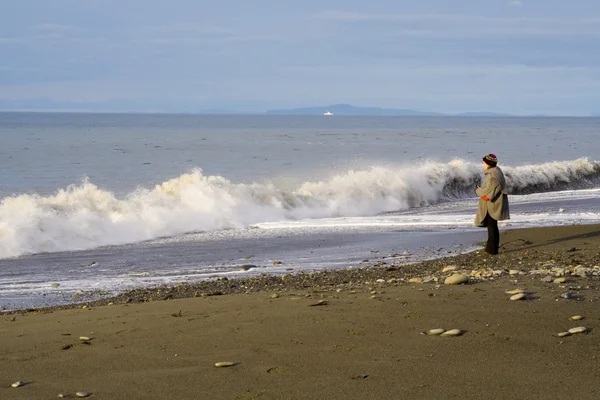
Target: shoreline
[[333, 334], [522, 248]]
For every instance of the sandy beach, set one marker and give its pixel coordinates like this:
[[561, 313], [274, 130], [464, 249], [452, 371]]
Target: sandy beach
[[348, 334]]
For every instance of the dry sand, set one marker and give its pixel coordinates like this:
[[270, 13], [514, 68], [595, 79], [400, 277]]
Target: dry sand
[[352, 346]]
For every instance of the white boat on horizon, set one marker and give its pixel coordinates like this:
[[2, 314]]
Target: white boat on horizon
[[327, 113]]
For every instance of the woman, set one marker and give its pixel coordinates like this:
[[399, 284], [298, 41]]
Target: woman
[[493, 202]]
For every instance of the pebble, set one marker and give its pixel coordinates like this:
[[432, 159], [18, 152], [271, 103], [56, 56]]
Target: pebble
[[83, 394], [18, 384], [518, 296], [55, 285], [563, 334], [435, 332], [567, 295], [515, 291], [85, 338], [576, 318], [415, 280], [562, 279], [456, 279], [579, 329], [514, 272], [274, 296], [452, 332], [223, 364], [449, 268], [547, 279]]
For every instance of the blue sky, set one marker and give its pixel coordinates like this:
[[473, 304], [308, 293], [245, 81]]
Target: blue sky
[[520, 57]]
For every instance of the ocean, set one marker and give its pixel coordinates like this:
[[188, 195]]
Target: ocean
[[100, 203]]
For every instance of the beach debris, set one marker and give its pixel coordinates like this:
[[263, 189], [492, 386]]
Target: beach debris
[[518, 296], [449, 268], [515, 291], [456, 279], [224, 364], [579, 329], [55, 285], [83, 394], [436, 331], [562, 279], [452, 332], [18, 384], [319, 303], [563, 334], [567, 295], [576, 318]]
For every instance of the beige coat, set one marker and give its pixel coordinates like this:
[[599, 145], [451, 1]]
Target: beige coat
[[494, 187]]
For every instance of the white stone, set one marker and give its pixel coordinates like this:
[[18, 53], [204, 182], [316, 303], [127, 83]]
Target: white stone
[[83, 394], [223, 364], [85, 338], [452, 332], [515, 291], [456, 279], [435, 332], [518, 296], [415, 280], [563, 334], [579, 329], [560, 280], [18, 384], [576, 318], [449, 268]]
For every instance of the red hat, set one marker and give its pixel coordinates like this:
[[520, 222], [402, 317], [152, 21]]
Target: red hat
[[490, 160]]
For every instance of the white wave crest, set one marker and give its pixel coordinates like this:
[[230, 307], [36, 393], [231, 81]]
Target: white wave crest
[[85, 216]]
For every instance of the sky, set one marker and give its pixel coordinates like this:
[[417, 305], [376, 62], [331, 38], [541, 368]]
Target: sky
[[521, 57]]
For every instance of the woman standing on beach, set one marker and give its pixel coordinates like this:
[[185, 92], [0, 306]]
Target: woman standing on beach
[[493, 202]]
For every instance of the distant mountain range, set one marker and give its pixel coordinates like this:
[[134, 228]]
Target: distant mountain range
[[347, 109]]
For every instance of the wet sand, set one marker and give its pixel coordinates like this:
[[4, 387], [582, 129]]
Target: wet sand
[[349, 334]]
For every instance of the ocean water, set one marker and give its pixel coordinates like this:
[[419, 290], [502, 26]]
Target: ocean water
[[114, 201]]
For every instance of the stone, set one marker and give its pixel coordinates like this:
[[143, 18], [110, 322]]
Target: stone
[[436, 332], [562, 279], [563, 334], [18, 384], [452, 332], [449, 268], [415, 280], [55, 285], [547, 279], [576, 318], [514, 272], [456, 279], [246, 267], [83, 394], [567, 295], [579, 329], [515, 291], [518, 296], [274, 296], [224, 364], [85, 338]]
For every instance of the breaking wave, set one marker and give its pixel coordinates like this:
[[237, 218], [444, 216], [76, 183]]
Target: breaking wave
[[85, 216]]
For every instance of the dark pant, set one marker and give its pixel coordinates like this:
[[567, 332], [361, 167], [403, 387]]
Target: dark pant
[[493, 241]]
